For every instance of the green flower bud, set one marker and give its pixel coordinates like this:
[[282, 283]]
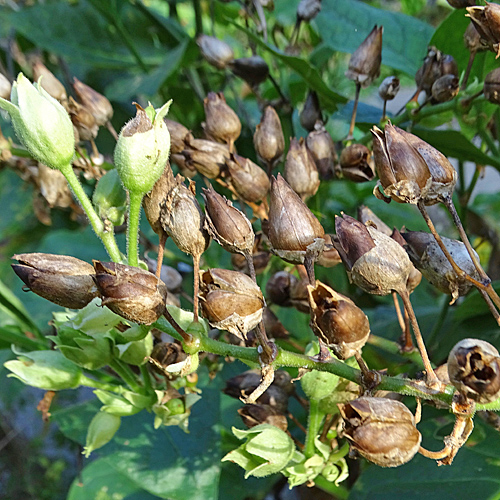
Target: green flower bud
[[110, 199], [135, 353], [267, 450], [142, 149], [41, 123], [48, 370], [124, 404], [101, 431], [173, 409]]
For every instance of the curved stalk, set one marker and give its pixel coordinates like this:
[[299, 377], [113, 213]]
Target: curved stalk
[[134, 212]]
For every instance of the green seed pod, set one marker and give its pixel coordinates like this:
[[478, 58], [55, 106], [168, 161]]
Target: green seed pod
[[101, 431]]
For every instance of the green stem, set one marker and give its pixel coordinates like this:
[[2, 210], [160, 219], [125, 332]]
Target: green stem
[[106, 237], [134, 212], [146, 377], [485, 136], [96, 384], [198, 17], [124, 371], [313, 425]]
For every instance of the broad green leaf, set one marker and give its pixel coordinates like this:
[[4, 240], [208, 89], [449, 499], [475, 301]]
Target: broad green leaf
[[344, 24], [304, 70], [453, 143]]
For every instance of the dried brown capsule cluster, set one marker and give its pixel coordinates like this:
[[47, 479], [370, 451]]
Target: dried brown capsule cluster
[[435, 65], [231, 301], [337, 321], [474, 369], [381, 430]]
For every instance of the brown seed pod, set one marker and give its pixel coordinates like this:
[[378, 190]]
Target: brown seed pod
[[381, 430], [256, 414], [268, 139], [445, 88], [206, 157], [215, 51], [389, 88], [221, 122], [474, 369], [254, 70], [320, 144], [95, 102], [49, 82], [133, 293], [300, 169], [487, 22], [492, 86], [62, 279], [311, 112], [179, 136], [356, 163], [247, 178]]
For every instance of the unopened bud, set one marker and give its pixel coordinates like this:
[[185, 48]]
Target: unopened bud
[[101, 431], [320, 144], [375, 262], [226, 224], [254, 70], [256, 414], [49, 82], [207, 157], [430, 260], [62, 279], [364, 65], [293, 229], [215, 51], [474, 369], [268, 139], [132, 293], [356, 163], [95, 102], [231, 301], [389, 88], [222, 123], [492, 86], [381, 430], [337, 321], [445, 88], [183, 220], [403, 173], [248, 179], [311, 112], [300, 169]]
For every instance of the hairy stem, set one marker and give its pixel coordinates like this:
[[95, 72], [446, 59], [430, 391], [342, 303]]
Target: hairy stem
[[134, 212]]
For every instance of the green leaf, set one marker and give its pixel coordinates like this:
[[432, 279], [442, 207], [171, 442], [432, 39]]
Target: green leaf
[[304, 70], [453, 143], [344, 24]]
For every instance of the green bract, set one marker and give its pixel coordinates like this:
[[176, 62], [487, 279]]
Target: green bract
[[142, 150], [41, 123], [267, 450], [48, 370], [101, 430]]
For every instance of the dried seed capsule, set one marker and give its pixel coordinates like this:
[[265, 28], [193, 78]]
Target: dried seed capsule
[[293, 229], [474, 369], [389, 88], [330, 256], [49, 82], [179, 136], [132, 293], [473, 41], [435, 65], [256, 414], [221, 122], [320, 144], [183, 220], [337, 321], [231, 301], [461, 4], [311, 112], [444, 175], [492, 86], [300, 169], [278, 288], [368, 217], [247, 178], [215, 51], [207, 157], [83, 120], [381, 430], [364, 65], [356, 163], [429, 259], [268, 139], [374, 262], [415, 276], [487, 22], [226, 224], [62, 279], [254, 70], [404, 175], [445, 88], [96, 103]]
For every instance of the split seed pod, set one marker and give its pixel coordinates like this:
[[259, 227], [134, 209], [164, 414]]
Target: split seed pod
[[226, 224], [95, 102], [389, 88], [62, 279], [381, 430], [293, 229], [337, 321], [132, 293], [487, 22], [356, 163], [474, 369], [231, 301]]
